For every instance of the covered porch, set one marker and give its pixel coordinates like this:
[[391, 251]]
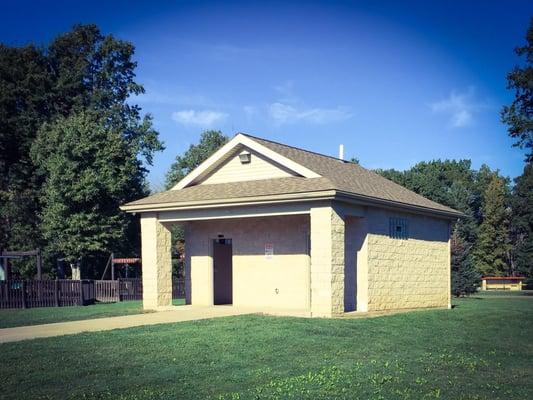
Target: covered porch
[[292, 258]]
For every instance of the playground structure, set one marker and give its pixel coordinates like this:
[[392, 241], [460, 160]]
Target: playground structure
[[5, 256], [112, 261]]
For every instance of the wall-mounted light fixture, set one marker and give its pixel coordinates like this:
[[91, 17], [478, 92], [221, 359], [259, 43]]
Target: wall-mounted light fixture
[[245, 157]]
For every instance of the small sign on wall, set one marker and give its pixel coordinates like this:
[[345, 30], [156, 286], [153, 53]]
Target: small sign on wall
[[269, 251]]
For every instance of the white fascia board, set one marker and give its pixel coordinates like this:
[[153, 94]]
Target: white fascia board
[[240, 139]]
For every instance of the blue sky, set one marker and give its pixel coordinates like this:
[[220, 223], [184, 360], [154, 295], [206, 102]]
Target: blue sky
[[395, 82]]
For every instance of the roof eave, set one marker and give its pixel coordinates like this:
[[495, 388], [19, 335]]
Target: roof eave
[[367, 200], [291, 197]]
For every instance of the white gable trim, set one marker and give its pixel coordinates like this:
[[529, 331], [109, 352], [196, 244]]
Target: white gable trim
[[250, 143]]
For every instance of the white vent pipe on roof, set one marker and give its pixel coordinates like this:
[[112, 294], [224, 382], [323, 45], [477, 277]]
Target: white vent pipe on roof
[[341, 152]]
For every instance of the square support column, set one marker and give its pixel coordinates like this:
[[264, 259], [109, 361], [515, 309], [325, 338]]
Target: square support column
[[156, 263], [327, 262], [449, 262]]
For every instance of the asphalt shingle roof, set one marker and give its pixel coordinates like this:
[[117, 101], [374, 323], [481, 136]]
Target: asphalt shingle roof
[[233, 190], [339, 175]]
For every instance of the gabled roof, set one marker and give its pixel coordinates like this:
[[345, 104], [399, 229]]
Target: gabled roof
[[319, 172], [233, 147]]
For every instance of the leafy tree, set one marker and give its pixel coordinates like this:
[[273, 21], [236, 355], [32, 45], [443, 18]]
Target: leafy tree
[[92, 78], [90, 169], [96, 73], [465, 278], [81, 71], [519, 115], [434, 179], [492, 251], [210, 141], [25, 96], [522, 222], [393, 175]]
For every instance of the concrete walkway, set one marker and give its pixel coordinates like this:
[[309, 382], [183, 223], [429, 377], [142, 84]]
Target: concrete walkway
[[176, 314], [173, 314]]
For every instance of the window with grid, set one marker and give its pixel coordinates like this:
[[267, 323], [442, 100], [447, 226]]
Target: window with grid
[[398, 228]]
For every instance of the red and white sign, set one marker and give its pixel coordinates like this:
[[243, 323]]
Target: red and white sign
[[269, 251]]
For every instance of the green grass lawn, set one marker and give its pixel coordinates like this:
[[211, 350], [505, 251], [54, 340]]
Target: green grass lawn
[[34, 316], [517, 293], [482, 349]]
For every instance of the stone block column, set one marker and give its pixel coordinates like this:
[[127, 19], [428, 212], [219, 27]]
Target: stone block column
[[156, 263], [449, 262], [327, 262]]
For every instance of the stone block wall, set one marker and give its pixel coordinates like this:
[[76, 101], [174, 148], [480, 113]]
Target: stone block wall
[[327, 262], [408, 273]]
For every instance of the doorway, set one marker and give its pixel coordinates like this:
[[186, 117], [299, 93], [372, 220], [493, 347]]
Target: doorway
[[223, 271]]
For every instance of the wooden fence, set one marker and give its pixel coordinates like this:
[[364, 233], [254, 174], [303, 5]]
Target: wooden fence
[[178, 288], [107, 291], [66, 292]]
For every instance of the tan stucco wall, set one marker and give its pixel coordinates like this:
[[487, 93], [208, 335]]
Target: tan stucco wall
[[258, 168], [156, 263], [408, 273], [255, 278]]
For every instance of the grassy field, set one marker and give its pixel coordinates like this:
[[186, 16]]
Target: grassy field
[[34, 316], [482, 349]]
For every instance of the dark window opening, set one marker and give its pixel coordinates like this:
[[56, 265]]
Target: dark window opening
[[398, 228]]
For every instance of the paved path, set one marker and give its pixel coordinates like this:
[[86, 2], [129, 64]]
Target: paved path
[[179, 314]]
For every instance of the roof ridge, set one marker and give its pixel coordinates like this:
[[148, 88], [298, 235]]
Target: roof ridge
[[296, 148], [334, 158]]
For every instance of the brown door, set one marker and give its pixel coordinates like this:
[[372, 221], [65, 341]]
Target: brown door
[[223, 274]]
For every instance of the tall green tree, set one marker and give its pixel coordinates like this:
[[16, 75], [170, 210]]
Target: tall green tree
[[522, 222], [210, 141], [493, 248], [81, 71], [91, 82], [519, 114], [96, 73], [25, 99], [465, 277], [90, 169]]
